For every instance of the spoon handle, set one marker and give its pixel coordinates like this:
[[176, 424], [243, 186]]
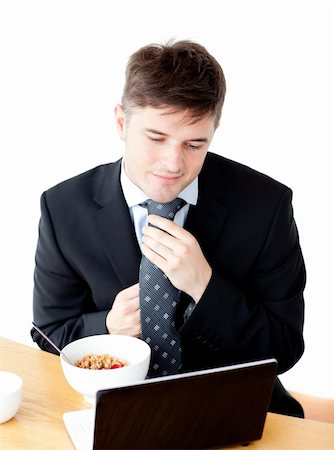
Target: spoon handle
[[50, 342]]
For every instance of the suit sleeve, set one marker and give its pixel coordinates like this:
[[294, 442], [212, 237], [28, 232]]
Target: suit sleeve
[[62, 304], [264, 318]]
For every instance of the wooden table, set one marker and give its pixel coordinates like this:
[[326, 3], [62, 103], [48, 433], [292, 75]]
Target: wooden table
[[47, 395]]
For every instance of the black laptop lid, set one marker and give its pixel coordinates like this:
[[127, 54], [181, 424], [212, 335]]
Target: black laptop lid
[[203, 409]]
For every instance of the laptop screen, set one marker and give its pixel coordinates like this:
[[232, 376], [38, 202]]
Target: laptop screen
[[202, 409]]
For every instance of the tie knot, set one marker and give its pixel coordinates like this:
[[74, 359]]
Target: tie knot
[[166, 210]]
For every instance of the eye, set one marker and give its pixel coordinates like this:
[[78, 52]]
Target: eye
[[193, 147], [154, 139]]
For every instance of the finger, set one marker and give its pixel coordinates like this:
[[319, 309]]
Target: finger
[[167, 246], [159, 236], [128, 297], [166, 225], [155, 258], [160, 248], [133, 290], [133, 304], [137, 330]]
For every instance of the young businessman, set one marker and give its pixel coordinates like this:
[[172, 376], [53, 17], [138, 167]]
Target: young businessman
[[231, 255]]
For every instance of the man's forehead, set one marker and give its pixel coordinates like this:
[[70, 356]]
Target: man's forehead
[[171, 114]]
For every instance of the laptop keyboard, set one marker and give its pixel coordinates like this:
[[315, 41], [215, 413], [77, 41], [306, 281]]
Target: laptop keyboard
[[80, 427]]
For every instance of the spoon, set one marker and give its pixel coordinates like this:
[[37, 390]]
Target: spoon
[[52, 343]]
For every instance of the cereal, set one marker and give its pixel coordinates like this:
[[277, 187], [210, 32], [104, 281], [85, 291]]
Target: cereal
[[100, 362]]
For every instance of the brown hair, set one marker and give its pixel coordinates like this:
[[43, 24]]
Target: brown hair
[[182, 75]]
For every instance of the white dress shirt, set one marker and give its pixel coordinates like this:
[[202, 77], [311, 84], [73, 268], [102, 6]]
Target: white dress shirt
[[134, 196]]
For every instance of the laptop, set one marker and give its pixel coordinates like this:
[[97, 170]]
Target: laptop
[[197, 410]]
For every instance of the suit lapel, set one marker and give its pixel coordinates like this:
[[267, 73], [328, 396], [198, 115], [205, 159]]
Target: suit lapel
[[115, 228], [206, 220], [116, 232]]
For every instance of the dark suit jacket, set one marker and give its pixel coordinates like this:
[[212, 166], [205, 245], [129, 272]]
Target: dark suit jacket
[[253, 306]]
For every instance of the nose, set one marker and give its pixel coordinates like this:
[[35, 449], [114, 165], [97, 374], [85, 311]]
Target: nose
[[173, 158]]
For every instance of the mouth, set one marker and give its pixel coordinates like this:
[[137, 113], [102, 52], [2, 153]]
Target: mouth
[[167, 178]]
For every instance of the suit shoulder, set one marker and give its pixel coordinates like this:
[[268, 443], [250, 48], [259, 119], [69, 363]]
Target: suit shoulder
[[80, 184], [241, 177]]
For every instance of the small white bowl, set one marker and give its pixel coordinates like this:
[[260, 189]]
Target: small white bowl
[[10, 395], [87, 382]]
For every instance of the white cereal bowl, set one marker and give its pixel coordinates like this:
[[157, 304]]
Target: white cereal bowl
[[87, 382], [10, 395]]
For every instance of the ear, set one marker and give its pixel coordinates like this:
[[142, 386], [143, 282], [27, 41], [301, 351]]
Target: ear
[[120, 121]]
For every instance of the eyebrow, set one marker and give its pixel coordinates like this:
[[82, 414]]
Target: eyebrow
[[160, 133]]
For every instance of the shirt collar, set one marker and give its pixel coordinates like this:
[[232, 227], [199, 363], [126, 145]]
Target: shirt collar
[[134, 195]]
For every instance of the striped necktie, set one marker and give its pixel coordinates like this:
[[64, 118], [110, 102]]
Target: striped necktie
[[158, 302]]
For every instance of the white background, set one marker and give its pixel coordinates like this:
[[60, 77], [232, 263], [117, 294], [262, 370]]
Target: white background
[[62, 72]]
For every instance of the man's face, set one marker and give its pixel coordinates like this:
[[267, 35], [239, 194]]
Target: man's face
[[164, 153]]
